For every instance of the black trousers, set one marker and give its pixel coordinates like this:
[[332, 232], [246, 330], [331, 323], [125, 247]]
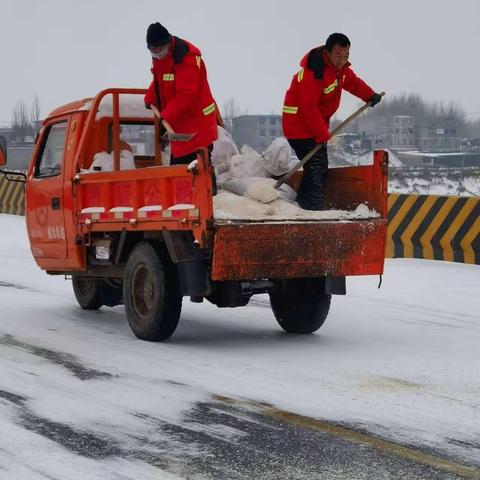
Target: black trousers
[[310, 195], [190, 157]]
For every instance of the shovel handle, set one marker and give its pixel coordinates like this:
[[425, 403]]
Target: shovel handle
[[167, 126], [299, 165]]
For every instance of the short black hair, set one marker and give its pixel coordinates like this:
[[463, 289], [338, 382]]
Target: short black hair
[[337, 39]]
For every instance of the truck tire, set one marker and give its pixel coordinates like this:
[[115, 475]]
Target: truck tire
[[92, 293], [151, 293], [88, 292], [300, 305]]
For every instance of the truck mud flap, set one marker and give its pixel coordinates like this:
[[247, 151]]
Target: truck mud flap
[[191, 266]]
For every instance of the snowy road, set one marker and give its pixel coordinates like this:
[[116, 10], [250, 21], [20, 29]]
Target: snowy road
[[80, 397]]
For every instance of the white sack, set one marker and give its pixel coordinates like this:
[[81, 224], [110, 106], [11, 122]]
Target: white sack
[[104, 160], [224, 149], [247, 165], [277, 157], [248, 150], [241, 185]]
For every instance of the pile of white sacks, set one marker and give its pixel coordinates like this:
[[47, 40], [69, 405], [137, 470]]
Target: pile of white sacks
[[239, 171]]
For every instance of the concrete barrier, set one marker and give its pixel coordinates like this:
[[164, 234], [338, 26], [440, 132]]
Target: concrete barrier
[[12, 197], [434, 227]]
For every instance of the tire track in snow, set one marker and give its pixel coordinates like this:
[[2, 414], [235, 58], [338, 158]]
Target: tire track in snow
[[78, 441], [64, 360]]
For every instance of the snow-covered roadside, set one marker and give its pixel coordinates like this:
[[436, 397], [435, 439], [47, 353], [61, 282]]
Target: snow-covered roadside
[[438, 185], [400, 362]]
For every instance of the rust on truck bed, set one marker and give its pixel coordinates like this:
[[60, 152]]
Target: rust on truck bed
[[307, 249]]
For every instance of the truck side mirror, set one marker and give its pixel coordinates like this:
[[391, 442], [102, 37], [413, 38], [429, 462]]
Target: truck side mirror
[[3, 151]]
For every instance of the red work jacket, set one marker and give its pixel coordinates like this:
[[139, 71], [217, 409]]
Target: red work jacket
[[314, 96], [183, 96]]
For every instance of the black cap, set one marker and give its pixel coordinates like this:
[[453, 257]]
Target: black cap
[[157, 35]]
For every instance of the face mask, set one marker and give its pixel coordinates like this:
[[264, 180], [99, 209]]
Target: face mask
[[159, 55]]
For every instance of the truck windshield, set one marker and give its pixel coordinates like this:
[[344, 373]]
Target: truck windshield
[[50, 161]]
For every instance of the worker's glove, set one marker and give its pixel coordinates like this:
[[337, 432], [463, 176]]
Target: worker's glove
[[374, 99]]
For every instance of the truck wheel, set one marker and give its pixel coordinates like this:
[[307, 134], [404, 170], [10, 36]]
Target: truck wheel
[[300, 305], [88, 292], [92, 293], [151, 294]]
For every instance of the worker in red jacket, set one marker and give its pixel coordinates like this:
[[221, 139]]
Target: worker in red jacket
[[180, 92], [313, 97]]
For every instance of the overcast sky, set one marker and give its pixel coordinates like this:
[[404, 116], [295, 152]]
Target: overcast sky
[[64, 50]]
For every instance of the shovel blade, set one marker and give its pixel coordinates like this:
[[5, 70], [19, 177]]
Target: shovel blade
[[179, 137]]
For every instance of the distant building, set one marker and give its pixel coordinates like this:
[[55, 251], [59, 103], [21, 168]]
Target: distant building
[[373, 132], [396, 132], [257, 131], [439, 159], [432, 139], [402, 132]]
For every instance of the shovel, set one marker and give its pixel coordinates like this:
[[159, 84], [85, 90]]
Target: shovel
[[316, 148], [169, 132]]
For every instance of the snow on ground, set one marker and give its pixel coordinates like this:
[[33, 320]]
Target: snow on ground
[[437, 185], [401, 362]]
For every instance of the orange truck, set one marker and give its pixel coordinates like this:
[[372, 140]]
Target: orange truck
[[146, 236]]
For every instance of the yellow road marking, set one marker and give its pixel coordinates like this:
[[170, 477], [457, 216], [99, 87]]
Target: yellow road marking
[[408, 453]]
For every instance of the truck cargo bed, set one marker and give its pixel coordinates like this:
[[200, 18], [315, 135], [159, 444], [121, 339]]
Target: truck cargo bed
[[348, 239]]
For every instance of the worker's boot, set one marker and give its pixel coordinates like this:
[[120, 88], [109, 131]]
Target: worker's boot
[[308, 204], [310, 194]]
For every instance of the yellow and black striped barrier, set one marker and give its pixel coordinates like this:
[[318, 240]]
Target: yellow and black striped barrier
[[12, 197], [434, 227]]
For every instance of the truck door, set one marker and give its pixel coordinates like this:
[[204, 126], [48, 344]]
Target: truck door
[[44, 194]]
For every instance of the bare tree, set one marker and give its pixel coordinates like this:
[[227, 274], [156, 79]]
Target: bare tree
[[434, 114], [20, 121], [231, 110], [35, 114], [25, 121]]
